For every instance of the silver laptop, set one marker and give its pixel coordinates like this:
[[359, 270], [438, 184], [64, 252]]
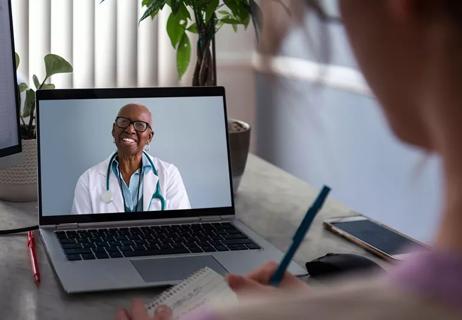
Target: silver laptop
[[105, 230]]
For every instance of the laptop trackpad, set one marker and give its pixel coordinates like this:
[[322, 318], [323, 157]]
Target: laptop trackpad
[[174, 269]]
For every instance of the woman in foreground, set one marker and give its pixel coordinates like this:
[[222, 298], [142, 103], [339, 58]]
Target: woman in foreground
[[410, 52]]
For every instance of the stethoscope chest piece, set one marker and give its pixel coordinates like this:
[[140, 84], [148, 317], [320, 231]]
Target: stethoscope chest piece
[[106, 197]]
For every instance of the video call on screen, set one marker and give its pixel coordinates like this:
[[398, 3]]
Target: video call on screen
[[190, 139]]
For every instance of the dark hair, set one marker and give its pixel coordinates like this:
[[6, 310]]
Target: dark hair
[[454, 7]]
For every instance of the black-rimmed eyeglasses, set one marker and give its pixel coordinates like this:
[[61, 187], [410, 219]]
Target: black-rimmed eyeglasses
[[139, 126]]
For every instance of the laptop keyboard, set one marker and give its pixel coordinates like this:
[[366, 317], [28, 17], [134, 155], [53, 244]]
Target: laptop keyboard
[[152, 240]]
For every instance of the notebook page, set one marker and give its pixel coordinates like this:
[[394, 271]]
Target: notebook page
[[203, 288]]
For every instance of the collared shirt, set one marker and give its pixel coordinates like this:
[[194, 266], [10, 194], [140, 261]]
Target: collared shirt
[[130, 191]]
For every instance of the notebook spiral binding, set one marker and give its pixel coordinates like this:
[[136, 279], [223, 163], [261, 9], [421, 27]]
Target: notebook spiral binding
[[175, 289]]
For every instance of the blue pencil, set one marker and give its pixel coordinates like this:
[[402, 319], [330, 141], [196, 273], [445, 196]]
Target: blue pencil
[[299, 236]]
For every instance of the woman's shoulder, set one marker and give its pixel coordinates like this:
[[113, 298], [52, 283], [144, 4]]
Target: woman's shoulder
[[378, 299], [354, 299]]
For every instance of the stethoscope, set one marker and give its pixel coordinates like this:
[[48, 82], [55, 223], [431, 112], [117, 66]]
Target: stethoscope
[[107, 197]]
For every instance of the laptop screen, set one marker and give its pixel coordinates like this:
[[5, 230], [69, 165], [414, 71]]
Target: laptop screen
[[111, 154]]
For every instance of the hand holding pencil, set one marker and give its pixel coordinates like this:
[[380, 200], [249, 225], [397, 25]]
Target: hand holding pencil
[[275, 274]]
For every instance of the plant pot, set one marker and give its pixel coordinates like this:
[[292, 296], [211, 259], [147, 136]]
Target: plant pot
[[19, 182], [239, 142]]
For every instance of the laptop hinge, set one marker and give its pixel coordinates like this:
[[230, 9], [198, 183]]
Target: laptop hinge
[[211, 219], [67, 226]]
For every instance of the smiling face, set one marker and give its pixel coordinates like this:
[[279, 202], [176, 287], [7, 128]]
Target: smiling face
[[129, 141]]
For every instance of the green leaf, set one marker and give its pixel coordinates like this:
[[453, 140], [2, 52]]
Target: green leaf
[[228, 20], [174, 30], [218, 25], [22, 87], [245, 20], [183, 55], [212, 5], [55, 64], [153, 7], [175, 5], [29, 104], [235, 7], [241, 10], [48, 86], [17, 60], [176, 25], [36, 82], [192, 28]]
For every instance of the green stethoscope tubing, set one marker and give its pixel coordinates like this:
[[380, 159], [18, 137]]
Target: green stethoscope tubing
[[157, 194]]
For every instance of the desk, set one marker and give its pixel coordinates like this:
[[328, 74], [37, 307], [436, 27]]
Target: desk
[[269, 200]]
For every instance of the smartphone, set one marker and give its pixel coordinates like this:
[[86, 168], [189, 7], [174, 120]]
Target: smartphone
[[374, 236]]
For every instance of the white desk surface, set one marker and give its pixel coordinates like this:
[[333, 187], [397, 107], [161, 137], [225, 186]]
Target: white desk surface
[[269, 200]]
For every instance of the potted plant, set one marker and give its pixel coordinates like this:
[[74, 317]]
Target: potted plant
[[205, 18], [19, 183]]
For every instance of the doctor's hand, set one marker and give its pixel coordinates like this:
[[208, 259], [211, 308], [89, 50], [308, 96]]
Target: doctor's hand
[[257, 284], [138, 312]]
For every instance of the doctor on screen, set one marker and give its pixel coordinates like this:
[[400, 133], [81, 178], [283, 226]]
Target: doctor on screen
[[130, 180]]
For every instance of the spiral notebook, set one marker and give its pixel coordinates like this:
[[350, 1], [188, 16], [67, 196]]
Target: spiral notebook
[[205, 288]]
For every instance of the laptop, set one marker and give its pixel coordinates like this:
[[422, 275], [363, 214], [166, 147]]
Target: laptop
[[94, 239]]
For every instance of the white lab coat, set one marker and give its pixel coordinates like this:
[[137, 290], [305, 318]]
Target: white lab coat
[[92, 184]]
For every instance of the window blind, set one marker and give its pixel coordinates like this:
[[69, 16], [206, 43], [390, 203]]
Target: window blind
[[104, 42]]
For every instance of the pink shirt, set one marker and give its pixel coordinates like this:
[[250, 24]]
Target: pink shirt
[[434, 274]]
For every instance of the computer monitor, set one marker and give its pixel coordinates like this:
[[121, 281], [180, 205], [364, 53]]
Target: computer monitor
[[10, 141]]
